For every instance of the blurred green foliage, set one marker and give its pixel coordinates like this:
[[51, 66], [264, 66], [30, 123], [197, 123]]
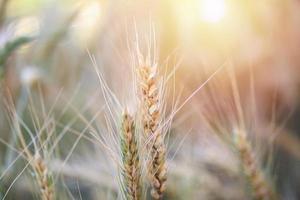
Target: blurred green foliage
[[9, 48]]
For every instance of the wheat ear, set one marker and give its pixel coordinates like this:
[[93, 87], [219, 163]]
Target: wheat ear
[[44, 179], [130, 157], [261, 189], [41, 171], [151, 119]]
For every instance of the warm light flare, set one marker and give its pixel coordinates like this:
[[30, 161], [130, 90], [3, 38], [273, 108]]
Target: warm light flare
[[212, 10], [87, 21]]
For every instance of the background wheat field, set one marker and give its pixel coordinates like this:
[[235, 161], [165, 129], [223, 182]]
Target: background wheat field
[[149, 99]]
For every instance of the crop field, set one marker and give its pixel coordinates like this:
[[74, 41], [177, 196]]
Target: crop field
[[149, 99]]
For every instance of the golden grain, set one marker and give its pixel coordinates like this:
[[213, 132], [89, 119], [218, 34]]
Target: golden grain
[[130, 157]]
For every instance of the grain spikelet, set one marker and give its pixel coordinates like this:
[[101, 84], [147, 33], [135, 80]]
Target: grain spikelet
[[150, 88], [130, 159], [261, 189]]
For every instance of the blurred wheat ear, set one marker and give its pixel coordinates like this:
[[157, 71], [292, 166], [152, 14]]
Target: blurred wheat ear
[[42, 174], [44, 179], [35, 153], [151, 121], [130, 159], [260, 187]]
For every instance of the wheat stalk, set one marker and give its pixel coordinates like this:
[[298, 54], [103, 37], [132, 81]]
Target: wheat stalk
[[261, 189], [151, 119], [130, 157]]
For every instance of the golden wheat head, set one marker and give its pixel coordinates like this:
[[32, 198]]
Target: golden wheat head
[[130, 157], [150, 87]]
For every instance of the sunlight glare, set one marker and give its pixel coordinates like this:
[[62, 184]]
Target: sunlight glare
[[212, 10]]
